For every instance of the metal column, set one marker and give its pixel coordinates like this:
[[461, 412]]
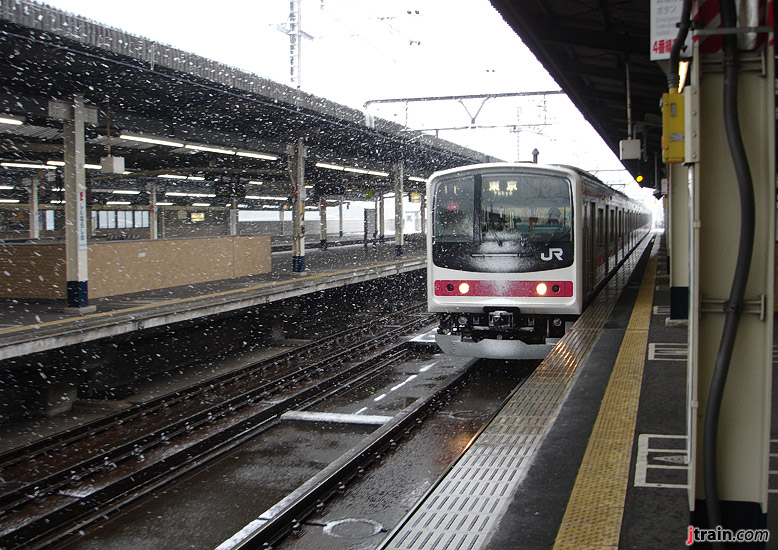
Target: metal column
[[744, 427], [678, 241], [380, 210], [297, 173], [398, 210], [75, 210], [233, 213], [35, 230], [153, 231], [323, 223], [340, 217]]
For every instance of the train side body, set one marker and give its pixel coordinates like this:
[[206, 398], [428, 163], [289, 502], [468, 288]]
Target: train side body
[[515, 251]]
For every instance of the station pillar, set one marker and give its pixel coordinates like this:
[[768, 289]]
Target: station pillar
[[423, 212], [297, 154], [399, 240], [740, 440], [380, 210], [153, 230], [77, 273], [340, 217], [323, 223], [677, 227], [35, 230]]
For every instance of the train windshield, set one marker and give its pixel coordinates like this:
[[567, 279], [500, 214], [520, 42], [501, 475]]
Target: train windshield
[[509, 221], [521, 207], [498, 208]]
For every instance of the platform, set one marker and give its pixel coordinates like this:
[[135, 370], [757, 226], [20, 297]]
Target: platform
[[590, 450], [34, 326]]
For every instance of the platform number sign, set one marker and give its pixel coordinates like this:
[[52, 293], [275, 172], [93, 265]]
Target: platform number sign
[[665, 15]]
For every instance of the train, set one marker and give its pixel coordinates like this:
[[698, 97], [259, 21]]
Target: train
[[515, 252]]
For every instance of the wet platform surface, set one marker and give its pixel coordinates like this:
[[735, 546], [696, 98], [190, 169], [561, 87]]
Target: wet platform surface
[[590, 452], [33, 326]]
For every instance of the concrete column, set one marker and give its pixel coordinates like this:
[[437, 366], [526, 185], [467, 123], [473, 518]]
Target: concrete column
[[298, 206], [398, 210], [153, 230], [35, 230], [742, 461], [75, 211]]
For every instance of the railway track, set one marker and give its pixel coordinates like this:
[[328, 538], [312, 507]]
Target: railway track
[[61, 485]]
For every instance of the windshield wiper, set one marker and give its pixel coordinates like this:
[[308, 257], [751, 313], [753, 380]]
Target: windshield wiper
[[496, 236]]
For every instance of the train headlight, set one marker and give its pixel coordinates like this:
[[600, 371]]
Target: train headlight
[[464, 288], [541, 289]]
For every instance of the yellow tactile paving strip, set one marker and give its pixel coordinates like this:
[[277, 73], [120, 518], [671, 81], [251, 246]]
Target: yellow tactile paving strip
[[596, 506]]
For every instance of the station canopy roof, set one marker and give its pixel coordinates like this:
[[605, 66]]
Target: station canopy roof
[[215, 118], [593, 48]]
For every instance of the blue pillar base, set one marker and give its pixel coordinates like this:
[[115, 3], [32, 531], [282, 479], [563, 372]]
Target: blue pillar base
[[323, 244], [398, 250], [78, 293], [298, 264]]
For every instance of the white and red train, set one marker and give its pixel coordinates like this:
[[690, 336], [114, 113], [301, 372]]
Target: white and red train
[[516, 251]]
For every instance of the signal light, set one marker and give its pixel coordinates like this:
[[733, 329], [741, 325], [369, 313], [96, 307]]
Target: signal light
[[541, 289], [639, 178], [464, 288]]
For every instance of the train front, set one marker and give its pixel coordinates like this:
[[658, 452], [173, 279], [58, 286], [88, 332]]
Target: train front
[[501, 262]]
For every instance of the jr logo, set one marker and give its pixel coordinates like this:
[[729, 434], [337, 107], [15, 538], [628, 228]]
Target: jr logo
[[551, 254]]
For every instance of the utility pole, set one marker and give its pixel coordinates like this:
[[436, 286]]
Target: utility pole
[[295, 41]]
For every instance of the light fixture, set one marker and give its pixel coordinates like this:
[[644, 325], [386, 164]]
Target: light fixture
[[266, 198], [27, 165], [201, 204], [464, 288], [356, 170], [195, 178], [182, 194], [329, 166], [153, 141], [125, 192], [93, 166], [255, 183], [414, 178], [172, 176], [9, 201], [253, 155], [12, 120], [55, 162], [541, 289], [210, 149], [164, 204], [57, 202], [6, 187], [119, 203], [377, 173]]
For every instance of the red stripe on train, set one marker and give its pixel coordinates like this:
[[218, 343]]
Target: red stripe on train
[[524, 289]]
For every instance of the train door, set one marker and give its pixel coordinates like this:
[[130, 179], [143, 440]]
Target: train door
[[588, 247], [612, 239]]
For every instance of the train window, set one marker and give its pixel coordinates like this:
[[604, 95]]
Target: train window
[[453, 214], [521, 207]]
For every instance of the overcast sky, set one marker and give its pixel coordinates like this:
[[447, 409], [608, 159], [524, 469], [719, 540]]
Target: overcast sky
[[362, 50]]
